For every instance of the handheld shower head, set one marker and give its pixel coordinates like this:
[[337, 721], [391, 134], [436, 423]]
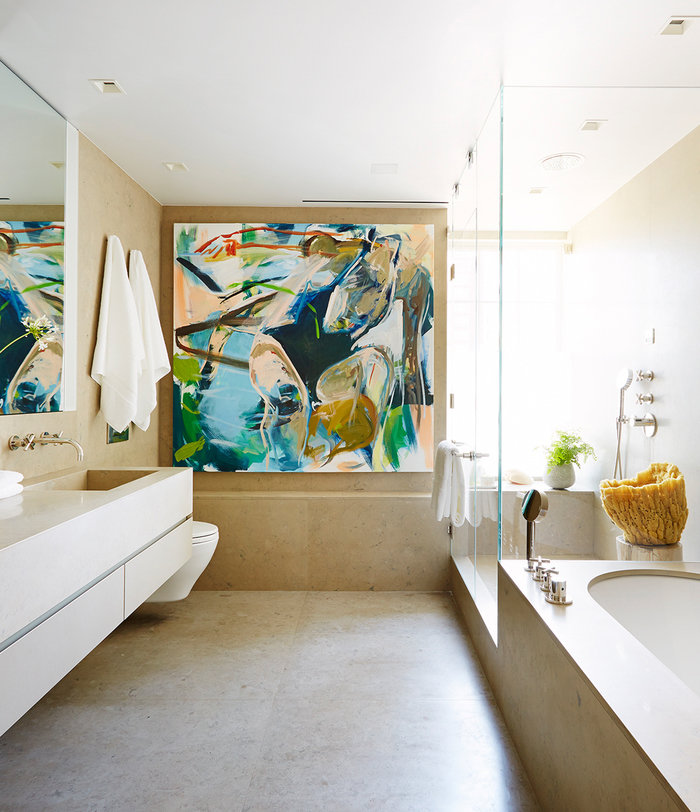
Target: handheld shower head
[[624, 379]]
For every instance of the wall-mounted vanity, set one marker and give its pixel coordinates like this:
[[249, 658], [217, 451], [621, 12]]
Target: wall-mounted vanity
[[78, 554]]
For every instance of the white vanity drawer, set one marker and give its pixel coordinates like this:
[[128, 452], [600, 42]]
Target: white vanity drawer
[[151, 568], [32, 665]]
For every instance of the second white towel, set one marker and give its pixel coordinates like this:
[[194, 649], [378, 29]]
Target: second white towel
[[156, 362], [449, 486]]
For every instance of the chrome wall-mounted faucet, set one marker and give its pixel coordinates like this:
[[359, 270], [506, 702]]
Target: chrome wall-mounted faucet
[[29, 442]]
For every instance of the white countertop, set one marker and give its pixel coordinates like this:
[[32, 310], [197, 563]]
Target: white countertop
[[53, 543]]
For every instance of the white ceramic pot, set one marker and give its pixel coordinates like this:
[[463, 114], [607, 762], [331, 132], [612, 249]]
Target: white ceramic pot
[[561, 476]]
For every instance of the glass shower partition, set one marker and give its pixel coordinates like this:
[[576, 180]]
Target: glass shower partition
[[474, 319]]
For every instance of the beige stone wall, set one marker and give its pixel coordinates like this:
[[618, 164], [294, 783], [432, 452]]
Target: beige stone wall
[[109, 202], [322, 530], [36, 213]]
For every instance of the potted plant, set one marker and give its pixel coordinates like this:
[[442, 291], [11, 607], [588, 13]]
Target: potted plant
[[564, 451]]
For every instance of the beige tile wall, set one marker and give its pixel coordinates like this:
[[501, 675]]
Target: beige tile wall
[[318, 531], [109, 202]]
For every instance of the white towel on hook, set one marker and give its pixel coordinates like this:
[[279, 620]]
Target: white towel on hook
[[442, 480], [156, 362], [119, 351]]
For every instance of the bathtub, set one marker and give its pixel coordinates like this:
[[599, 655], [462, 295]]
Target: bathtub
[[607, 690]]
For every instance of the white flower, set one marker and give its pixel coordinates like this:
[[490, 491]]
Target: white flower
[[42, 329]]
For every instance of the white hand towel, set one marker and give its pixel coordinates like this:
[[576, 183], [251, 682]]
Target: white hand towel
[[119, 350], [442, 480], [10, 490], [458, 492], [10, 478], [155, 363]]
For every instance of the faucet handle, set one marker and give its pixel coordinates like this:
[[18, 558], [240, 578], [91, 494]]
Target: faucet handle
[[27, 443]]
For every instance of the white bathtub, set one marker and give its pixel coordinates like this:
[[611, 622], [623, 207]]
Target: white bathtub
[[633, 635], [661, 608]]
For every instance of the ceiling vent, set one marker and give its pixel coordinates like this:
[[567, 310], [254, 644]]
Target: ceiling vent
[[384, 169], [591, 125], [107, 85], [175, 166], [675, 25], [561, 161]]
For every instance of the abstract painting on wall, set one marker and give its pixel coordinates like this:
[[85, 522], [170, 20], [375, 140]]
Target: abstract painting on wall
[[31, 316], [303, 347]]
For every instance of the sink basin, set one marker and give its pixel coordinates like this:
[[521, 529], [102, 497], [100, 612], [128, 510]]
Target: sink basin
[[90, 480]]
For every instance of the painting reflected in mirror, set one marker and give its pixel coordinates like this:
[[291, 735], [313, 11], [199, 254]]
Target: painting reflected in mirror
[[32, 251]]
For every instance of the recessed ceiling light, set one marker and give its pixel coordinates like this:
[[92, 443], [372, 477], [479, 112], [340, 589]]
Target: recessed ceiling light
[[384, 169], [675, 25], [107, 85], [561, 161], [592, 124], [175, 166], [537, 190]]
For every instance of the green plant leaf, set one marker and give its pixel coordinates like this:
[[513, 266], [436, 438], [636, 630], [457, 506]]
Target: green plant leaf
[[568, 448]]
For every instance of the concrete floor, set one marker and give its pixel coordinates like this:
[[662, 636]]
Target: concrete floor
[[290, 701]]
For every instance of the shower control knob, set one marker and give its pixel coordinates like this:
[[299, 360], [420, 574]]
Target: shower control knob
[[644, 375], [644, 397]]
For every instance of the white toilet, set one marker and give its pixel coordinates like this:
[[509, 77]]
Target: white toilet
[[204, 539]]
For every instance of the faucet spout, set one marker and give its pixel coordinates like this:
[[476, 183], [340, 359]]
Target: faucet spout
[[57, 439]]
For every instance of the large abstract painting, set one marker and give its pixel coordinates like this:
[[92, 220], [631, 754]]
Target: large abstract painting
[[303, 347], [31, 316]]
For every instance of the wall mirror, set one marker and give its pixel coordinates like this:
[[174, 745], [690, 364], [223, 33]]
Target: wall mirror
[[38, 230], [599, 273]]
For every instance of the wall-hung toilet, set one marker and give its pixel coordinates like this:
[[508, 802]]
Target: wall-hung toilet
[[204, 539]]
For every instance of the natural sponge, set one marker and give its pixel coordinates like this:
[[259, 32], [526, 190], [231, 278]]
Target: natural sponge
[[651, 507]]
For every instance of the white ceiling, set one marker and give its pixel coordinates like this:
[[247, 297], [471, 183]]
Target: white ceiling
[[270, 104]]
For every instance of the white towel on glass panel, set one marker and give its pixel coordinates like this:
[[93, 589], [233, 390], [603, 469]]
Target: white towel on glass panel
[[458, 492], [119, 351], [155, 363], [444, 486]]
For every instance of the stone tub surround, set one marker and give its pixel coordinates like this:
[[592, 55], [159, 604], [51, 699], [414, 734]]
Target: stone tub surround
[[568, 528], [599, 722], [103, 550], [323, 540]]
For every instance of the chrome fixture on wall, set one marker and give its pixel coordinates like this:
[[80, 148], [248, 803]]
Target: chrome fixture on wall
[[648, 422], [29, 442]]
